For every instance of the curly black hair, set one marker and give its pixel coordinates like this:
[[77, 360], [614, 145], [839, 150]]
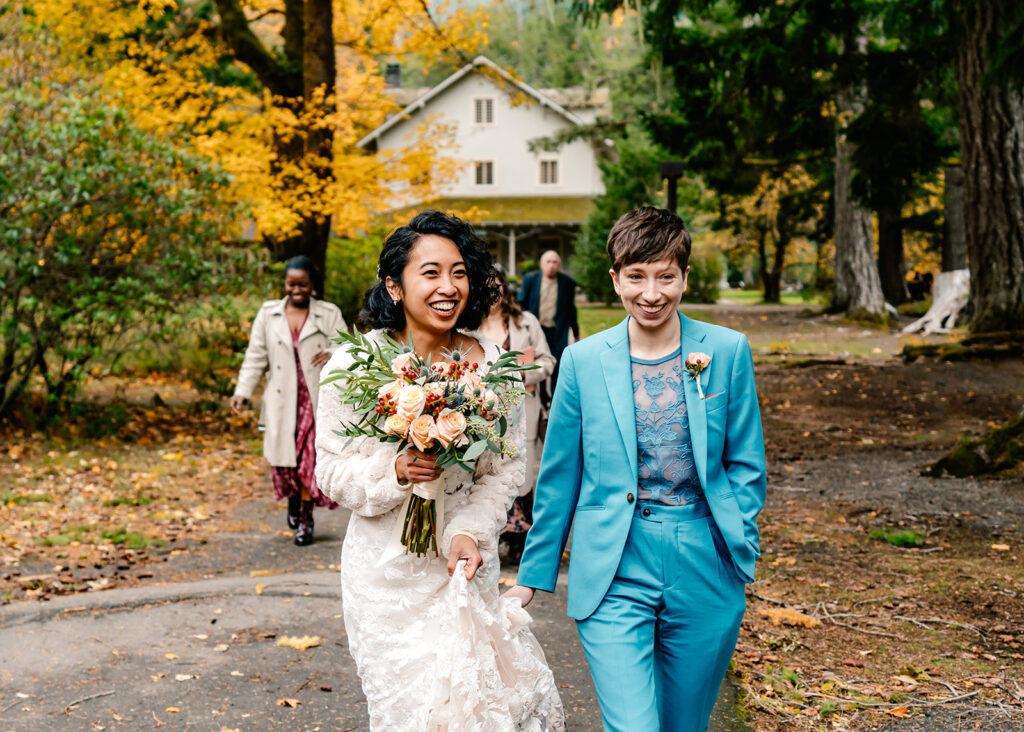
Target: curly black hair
[[379, 311]]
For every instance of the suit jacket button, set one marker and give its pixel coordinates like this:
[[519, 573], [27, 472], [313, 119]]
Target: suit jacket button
[[646, 512], [629, 498]]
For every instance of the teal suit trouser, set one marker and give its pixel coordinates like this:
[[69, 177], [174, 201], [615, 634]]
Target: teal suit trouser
[[659, 643]]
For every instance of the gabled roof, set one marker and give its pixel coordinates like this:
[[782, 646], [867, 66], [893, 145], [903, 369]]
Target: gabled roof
[[423, 101]]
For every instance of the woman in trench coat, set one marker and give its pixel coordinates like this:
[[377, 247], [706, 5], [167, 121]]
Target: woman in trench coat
[[291, 341]]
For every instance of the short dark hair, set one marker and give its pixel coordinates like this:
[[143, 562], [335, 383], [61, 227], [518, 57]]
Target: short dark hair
[[379, 311], [648, 234], [304, 263]]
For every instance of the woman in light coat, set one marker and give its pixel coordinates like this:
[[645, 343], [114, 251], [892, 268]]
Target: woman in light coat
[[291, 341], [517, 330]]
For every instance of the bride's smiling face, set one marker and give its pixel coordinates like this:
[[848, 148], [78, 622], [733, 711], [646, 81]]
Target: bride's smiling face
[[435, 285]]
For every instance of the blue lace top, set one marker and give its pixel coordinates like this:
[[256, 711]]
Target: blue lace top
[[666, 471]]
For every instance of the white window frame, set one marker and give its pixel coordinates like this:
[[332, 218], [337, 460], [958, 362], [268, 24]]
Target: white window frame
[[484, 103], [558, 171], [477, 164]]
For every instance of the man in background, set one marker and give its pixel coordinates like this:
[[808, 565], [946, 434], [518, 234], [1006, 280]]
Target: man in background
[[551, 295]]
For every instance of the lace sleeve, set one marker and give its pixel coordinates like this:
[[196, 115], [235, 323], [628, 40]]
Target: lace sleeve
[[496, 484], [358, 473]]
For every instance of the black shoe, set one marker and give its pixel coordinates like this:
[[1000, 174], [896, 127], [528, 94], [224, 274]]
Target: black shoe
[[294, 503], [304, 531]]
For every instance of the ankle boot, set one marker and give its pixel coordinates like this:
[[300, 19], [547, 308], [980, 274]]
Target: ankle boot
[[304, 531], [294, 503]]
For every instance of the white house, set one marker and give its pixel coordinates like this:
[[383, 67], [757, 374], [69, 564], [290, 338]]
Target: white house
[[533, 201]]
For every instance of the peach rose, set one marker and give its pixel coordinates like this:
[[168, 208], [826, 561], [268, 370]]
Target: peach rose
[[436, 388], [401, 361], [411, 400], [450, 426], [393, 389], [697, 360], [472, 380], [395, 425], [423, 432]]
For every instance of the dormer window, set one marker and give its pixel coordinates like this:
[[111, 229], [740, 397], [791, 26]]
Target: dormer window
[[549, 172], [484, 172], [483, 111]]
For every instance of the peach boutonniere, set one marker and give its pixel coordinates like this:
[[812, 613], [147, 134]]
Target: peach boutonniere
[[696, 362]]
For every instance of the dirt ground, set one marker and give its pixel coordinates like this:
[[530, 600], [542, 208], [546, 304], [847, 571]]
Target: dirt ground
[[885, 600]]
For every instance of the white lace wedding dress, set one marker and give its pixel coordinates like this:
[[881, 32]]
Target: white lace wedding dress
[[433, 653]]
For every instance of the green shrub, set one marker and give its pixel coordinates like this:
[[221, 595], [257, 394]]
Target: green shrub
[[351, 270], [706, 269], [106, 231]]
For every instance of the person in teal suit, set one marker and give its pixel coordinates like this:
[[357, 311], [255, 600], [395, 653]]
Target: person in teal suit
[[655, 461]]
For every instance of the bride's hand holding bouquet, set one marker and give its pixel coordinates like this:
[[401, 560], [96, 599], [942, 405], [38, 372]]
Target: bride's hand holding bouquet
[[441, 414]]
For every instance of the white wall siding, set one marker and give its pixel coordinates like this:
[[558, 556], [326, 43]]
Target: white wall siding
[[504, 141]]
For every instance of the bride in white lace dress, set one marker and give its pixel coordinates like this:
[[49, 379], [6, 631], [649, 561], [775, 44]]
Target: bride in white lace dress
[[435, 645]]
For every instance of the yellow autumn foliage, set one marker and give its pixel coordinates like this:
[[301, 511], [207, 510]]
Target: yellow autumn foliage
[[162, 60]]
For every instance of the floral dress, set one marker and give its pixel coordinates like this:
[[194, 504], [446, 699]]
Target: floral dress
[[288, 481]]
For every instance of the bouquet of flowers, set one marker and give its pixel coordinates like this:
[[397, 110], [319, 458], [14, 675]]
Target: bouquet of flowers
[[453, 408]]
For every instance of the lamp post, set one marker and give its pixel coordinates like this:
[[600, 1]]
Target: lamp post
[[672, 171]]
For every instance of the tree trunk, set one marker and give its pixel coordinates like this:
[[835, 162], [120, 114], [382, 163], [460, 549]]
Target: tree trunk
[[318, 77], [954, 232], [857, 289], [302, 78], [992, 154], [770, 278], [892, 268]]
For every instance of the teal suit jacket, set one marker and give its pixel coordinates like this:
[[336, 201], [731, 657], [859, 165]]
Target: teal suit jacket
[[588, 474]]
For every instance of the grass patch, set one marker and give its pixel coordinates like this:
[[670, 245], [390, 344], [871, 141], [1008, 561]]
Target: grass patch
[[756, 297], [17, 499], [136, 501], [132, 539], [67, 536], [595, 319], [898, 537]]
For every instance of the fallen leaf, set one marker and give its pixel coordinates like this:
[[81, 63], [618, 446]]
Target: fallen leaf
[[299, 644], [172, 710], [184, 677], [237, 673], [1000, 547], [899, 712], [170, 656], [260, 588], [288, 703], [261, 572], [221, 647], [785, 616]]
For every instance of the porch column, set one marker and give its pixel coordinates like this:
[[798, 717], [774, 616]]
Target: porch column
[[511, 269]]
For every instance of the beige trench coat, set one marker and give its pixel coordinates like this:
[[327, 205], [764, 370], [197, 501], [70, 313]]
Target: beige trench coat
[[270, 349], [529, 333]]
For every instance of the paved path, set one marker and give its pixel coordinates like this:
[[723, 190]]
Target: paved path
[[202, 654]]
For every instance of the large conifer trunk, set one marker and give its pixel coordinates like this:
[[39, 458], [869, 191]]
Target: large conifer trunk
[[858, 289], [892, 268], [992, 152]]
